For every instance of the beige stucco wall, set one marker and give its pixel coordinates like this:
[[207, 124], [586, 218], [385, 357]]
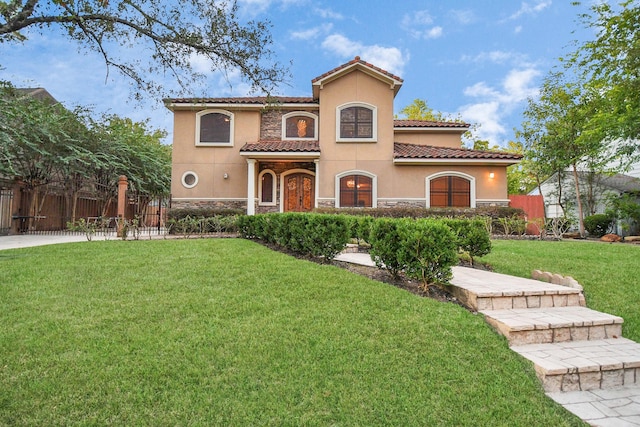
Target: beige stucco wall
[[448, 138], [211, 163]]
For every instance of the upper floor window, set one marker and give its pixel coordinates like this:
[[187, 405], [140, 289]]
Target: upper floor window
[[299, 125], [356, 122], [214, 127]]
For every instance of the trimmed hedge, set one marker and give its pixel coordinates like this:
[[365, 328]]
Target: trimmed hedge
[[303, 233], [497, 219], [424, 248]]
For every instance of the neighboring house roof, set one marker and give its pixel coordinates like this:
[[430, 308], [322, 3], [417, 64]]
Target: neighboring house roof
[[278, 148], [427, 154], [619, 182], [356, 64], [248, 101], [38, 93]]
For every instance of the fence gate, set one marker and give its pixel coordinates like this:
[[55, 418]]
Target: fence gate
[[6, 202]]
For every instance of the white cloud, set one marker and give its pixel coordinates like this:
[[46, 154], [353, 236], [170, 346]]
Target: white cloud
[[518, 29], [420, 25], [433, 33], [312, 33], [328, 14], [463, 16], [494, 104], [421, 17], [388, 58], [487, 115], [257, 7], [528, 9], [498, 57]]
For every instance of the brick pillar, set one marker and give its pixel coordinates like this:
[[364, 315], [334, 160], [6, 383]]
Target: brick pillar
[[123, 184]]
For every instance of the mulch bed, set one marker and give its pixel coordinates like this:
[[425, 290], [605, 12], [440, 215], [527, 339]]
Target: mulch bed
[[415, 287]]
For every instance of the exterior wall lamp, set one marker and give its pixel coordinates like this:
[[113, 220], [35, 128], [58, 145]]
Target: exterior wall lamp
[[492, 175]]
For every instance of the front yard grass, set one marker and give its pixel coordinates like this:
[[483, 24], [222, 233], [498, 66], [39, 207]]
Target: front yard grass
[[228, 332], [608, 272]]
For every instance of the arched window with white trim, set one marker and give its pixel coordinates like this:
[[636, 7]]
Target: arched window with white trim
[[214, 128], [267, 188], [357, 122], [451, 189], [299, 125], [356, 189]]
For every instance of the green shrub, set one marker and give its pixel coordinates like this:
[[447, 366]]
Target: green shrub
[[471, 236], [303, 233], [386, 243], [598, 225], [325, 235], [428, 250]]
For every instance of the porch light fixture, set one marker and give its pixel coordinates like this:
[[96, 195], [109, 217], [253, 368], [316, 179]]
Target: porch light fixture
[[225, 176], [492, 175]]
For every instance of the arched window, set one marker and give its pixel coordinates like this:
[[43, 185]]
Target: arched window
[[214, 128], [450, 191], [267, 188], [356, 122], [299, 125], [356, 191]]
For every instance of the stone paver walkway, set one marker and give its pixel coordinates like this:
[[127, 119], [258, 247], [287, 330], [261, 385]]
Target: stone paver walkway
[[579, 355]]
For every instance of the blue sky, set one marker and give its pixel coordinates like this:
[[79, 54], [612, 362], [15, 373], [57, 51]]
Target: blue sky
[[477, 59]]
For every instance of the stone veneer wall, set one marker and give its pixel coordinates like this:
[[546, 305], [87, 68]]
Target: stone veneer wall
[[490, 204], [271, 125], [209, 204]]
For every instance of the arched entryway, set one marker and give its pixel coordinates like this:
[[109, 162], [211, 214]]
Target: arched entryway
[[299, 191]]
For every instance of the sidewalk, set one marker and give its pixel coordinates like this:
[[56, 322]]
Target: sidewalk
[[29, 240]]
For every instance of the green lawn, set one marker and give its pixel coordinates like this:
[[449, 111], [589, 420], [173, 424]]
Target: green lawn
[[608, 272], [227, 332]]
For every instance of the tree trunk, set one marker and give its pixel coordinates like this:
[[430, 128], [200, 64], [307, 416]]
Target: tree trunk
[[579, 201]]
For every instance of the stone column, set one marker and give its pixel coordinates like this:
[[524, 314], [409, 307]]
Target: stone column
[[123, 184], [251, 186]]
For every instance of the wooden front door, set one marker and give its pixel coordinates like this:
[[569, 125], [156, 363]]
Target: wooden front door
[[298, 192]]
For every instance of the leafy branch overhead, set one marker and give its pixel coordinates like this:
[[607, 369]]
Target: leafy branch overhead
[[142, 38]]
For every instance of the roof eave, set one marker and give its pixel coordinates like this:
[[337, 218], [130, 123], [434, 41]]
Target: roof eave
[[470, 162], [438, 129], [176, 106], [290, 155]]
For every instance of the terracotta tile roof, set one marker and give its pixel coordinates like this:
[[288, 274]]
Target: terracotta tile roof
[[354, 61], [428, 124], [278, 146], [412, 151], [258, 100]]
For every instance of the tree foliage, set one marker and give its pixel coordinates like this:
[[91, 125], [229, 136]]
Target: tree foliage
[[610, 65], [175, 34], [42, 144]]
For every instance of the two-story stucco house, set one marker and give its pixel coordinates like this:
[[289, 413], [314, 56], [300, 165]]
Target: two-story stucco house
[[340, 147]]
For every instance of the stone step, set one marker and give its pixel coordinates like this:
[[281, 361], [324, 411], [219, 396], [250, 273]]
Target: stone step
[[485, 290], [584, 365], [556, 324]]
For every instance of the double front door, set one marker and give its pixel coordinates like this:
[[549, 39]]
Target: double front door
[[298, 192]]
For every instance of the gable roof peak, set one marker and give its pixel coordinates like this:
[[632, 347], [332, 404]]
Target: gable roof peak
[[356, 64]]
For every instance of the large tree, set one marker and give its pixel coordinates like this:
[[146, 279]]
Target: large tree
[[560, 142], [610, 65], [166, 36]]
